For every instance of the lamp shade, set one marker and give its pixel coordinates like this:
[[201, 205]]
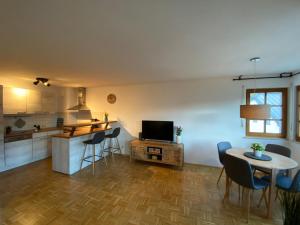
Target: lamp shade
[[255, 112]]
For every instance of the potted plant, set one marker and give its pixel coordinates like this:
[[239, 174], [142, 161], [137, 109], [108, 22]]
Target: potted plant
[[105, 117], [290, 205], [257, 149], [178, 134]]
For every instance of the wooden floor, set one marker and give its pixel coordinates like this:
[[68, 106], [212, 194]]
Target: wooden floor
[[123, 193]]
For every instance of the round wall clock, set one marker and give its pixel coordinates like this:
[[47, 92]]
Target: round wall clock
[[111, 98]]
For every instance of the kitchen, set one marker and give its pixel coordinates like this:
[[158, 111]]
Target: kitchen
[[29, 117]]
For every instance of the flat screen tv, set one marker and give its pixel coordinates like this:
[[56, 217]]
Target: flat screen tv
[[158, 130]]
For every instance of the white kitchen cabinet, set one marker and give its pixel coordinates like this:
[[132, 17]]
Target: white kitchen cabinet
[[18, 153], [42, 144], [2, 162], [34, 101], [49, 102], [50, 133], [40, 148], [14, 100], [17, 100]]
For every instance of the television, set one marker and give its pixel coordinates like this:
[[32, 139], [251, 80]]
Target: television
[[158, 130]]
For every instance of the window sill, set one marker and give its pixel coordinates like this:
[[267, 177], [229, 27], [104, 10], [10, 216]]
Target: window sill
[[295, 142], [265, 138]]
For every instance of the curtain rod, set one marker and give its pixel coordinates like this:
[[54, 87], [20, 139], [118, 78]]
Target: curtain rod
[[282, 75]]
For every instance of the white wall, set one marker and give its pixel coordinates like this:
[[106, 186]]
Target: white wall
[[293, 144], [207, 109]]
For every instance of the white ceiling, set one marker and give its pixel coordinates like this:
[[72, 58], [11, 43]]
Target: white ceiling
[[93, 42]]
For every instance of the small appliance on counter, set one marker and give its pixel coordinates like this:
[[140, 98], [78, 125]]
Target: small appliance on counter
[[37, 128], [7, 130], [60, 122]]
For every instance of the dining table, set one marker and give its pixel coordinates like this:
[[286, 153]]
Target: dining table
[[277, 163]]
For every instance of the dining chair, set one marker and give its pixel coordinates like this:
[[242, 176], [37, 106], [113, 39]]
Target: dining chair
[[222, 148], [240, 171], [278, 149], [286, 183]]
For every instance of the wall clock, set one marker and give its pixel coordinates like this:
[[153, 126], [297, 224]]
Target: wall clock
[[111, 98]]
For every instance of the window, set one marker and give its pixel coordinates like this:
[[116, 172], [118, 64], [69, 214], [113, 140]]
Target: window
[[298, 114], [276, 125]]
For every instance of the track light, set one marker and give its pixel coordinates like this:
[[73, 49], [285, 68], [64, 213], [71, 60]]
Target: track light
[[42, 80]]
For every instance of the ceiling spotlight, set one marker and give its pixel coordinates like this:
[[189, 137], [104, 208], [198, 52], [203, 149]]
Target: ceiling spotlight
[[42, 80]]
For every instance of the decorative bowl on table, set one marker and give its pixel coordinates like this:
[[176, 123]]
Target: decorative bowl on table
[[258, 149]]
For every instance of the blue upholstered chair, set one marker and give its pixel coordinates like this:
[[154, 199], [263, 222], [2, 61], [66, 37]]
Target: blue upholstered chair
[[281, 150], [222, 148], [286, 183], [240, 171]]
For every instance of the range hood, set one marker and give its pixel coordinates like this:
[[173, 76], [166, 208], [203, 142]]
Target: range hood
[[81, 106]]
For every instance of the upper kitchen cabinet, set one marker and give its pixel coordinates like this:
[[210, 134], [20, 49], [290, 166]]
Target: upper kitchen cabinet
[[19, 101], [34, 101], [49, 102], [14, 100]]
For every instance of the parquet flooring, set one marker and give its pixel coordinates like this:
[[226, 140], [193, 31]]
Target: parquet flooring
[[123, 193]]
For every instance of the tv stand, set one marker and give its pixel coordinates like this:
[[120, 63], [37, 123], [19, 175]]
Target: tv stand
[[157, 151]]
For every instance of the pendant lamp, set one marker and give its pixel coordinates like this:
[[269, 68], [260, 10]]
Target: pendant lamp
[[255, 112]]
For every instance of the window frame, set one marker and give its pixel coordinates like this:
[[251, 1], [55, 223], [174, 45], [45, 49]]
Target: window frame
[[297, 134], [283, 133]]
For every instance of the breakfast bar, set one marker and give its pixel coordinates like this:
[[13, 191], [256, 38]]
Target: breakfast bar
[[68, 147]]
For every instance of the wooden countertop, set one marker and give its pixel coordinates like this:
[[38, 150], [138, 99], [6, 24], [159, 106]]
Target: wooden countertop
[[88, 124], [25, 134], [80, 132], [31, 131], [73, 128]]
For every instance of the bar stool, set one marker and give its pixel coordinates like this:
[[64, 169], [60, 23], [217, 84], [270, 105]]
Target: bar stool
[[97, 139], [113, 137]]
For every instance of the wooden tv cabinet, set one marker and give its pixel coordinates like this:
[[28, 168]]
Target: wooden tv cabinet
[[159, 152]]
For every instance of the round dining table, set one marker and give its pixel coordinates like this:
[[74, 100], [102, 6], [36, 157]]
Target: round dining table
[[278, 162]]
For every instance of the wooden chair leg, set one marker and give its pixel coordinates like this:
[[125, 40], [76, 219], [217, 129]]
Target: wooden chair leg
[[226, 195], [243, 190], [265, 197], [261, 197], [277, 190], [239, 194], [248, 204], [220, 176]]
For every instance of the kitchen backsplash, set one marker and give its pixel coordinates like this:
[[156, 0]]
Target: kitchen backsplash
[[47, 120]]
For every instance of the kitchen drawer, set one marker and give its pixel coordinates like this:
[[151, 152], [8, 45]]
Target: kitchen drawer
[[53, 132], [50, 133], [18, 153], [40, 134], [40, 148], [2, 162]]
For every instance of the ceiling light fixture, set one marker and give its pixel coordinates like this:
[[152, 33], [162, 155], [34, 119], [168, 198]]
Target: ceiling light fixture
[[44, 81], [255, 112]]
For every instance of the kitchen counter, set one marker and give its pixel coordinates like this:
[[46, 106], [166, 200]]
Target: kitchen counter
[[81, 132], [73, 128], [26, 134], [67, 150], [27, 146]]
